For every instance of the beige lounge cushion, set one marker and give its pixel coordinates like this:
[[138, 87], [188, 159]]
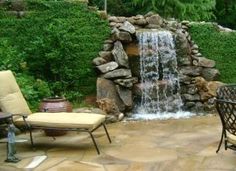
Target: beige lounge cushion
[[63, 120], [11, 98]]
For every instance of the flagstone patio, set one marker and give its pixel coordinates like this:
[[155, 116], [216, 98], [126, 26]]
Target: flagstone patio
[[167, 145]]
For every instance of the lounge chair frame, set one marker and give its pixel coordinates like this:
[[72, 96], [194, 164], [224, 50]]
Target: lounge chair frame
[[89, 131]]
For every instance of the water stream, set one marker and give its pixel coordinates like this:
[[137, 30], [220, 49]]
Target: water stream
[[159, 77]]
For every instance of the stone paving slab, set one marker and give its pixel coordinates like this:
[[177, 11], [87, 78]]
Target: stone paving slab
[[167, 145]]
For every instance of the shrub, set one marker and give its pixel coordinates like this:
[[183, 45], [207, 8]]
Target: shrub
[[219, 46], [33, 89], [57, 41]]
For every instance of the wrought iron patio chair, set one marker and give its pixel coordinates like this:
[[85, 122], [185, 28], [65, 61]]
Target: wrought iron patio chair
[[226, 107], [13, 102]]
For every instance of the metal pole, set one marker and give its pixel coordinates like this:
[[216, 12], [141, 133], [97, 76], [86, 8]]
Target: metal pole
[[105, 6]]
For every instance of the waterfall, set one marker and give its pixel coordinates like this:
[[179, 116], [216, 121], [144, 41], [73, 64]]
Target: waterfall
[[159, 76]]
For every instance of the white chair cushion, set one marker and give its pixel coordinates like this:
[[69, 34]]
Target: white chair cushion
[[63, 120]]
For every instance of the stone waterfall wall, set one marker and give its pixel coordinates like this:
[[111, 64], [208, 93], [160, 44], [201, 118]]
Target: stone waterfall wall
[[118, 64]]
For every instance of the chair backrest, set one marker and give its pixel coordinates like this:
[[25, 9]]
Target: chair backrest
[[227, 112], [227, 92], [226, 107], [11, 99]]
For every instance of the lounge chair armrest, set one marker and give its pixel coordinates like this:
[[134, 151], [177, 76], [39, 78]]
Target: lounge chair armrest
[[23, 115]]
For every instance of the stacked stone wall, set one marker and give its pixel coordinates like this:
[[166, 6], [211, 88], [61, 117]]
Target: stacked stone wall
[[118, 64]]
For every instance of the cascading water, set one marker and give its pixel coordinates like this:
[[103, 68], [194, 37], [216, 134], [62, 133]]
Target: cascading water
[[159, 77]]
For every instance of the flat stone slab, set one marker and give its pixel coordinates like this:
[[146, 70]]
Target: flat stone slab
[[180, 145]]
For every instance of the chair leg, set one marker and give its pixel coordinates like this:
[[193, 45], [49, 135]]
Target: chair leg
[[226, 145], [31, 138], [108, 136], [222, 135], [94, 142]]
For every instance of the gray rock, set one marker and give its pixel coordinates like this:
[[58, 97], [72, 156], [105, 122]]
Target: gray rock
[[149, 14], [126, 96], [189, 97], [121, 35], [190, 104], [112, 19], [192, 89], [204, 62], [109, 41], [119, 73], [111, 119], [127, 26], [127, 82], [131, 20], [153, 26], [124, 37], [121, 19], [210, 74], [119, 54], [107, 67], [194, 47], [137, 89], [107, 55], [191, 70], [195, 51], [107, 89], [107, 46], [99, 61], [155, 19], [140, 22]]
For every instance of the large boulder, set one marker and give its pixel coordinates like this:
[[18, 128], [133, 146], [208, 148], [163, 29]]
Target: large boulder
[[126, 96], [107, 89], [207, 89], [155, 20]]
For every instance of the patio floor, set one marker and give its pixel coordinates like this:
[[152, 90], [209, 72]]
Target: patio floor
[[170, 145]]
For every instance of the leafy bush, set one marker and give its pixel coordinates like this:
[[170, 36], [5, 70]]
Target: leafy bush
[[57, 41], [219, 46], [9, 56], [33, 89]]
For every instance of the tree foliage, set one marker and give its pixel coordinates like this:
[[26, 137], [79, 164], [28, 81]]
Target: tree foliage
[[226, 13], [181, 9], [221, 11]]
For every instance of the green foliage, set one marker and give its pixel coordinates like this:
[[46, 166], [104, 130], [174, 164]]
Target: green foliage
[[56, 41], [196, 10], [33, 89], [219, 46], [10, 58]]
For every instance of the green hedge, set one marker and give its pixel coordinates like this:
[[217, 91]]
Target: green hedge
[[219, 46], [55, 42]]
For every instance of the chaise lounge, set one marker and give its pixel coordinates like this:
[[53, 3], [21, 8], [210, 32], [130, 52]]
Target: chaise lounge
[[13, 102]]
